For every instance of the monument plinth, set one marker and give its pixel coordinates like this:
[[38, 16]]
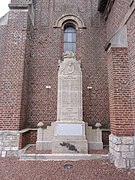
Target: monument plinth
[[69, 133], [69, 129]]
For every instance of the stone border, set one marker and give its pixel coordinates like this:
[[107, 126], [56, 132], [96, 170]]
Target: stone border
[[61, 157]]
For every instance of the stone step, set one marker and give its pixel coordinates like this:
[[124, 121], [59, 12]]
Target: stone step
[[60, 157]]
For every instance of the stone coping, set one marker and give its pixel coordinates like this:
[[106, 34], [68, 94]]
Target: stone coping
[[61, 157], [21, 131], [27, 129], [35, 129]]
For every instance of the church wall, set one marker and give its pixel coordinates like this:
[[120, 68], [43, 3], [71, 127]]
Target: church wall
[[115, 21], [121, 76], [31, 63], [131, 45], [14, 81], [12, 71], [116, 15], [121, 112], [3, 29], [47, 51], [28, 56]]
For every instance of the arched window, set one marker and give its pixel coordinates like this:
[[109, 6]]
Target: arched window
[[70, 38]]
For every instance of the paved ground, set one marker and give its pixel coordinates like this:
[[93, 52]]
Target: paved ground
[[13, 169]]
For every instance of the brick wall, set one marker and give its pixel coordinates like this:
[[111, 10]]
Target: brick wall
[[24, 103], [131, 53], [31, 63], [12, 71], [39, 51], [120, 98], [47, 50], [3, 29], [121, 68], [29, 137], [121, 76], [118, 11]]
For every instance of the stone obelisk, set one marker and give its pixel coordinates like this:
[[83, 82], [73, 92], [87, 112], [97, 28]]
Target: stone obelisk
[[69, 129]]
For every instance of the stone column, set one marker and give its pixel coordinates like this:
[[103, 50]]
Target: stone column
[[69, 129]]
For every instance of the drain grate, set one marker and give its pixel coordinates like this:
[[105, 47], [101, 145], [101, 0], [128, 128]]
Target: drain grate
[[68, 166]]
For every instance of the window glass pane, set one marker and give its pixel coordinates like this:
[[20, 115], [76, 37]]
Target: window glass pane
[[66, 30], [70, 29], [69, 37], [68, 47], [65, 37], [64, 47], [74, 47], [73, 30], [74, 37]]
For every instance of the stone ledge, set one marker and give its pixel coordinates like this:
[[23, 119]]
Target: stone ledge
[[27, 129], [60, 157], [18, 6]]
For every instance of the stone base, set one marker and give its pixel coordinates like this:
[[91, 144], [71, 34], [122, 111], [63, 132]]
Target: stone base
[[95, 145], [43, 145], [122, 151], [69, 137], [9, 143], [94, 138], [59, 132], [44, 138], [70, 147]]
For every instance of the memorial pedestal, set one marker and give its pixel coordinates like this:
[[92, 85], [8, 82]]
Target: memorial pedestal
[[69, 137], [68, 134], [69, 129]]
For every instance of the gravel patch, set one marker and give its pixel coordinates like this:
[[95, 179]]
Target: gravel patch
[[13, 169]]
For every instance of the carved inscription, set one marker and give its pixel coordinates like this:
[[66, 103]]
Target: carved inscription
[[70, 93], [69, 97]]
